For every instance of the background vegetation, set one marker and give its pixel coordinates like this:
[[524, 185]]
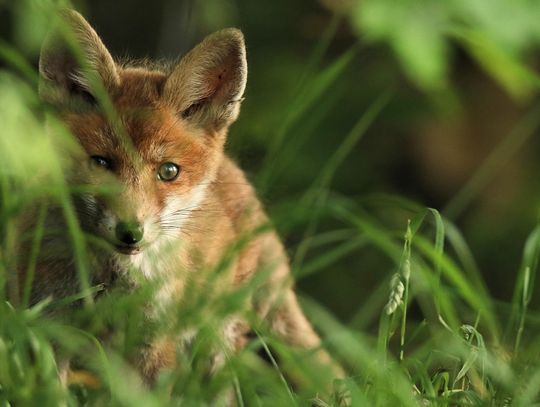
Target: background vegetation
[[359, 117]]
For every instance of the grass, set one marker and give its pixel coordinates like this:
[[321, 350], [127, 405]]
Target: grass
[[440, 338]]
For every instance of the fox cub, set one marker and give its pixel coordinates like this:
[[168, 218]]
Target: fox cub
[[181, 203]]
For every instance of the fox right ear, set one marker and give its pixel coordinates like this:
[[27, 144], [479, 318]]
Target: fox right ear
[[207, 85], [72, 57]]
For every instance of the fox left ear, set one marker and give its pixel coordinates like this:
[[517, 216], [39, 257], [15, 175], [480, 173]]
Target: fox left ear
[[71, 55], [207, 85]]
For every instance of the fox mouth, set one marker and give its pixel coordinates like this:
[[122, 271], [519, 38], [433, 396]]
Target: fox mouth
[[128, 249]]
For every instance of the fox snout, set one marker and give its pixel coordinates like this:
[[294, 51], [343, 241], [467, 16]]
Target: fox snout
[[118, 221], [127, 236], [129, 233]]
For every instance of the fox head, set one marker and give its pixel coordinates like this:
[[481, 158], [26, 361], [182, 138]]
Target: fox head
[[158, 135]]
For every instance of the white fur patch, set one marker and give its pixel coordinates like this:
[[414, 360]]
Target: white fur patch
[[159, 257], [178, 209]]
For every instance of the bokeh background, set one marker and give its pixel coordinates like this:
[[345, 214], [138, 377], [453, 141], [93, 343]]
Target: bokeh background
[[458, 131]]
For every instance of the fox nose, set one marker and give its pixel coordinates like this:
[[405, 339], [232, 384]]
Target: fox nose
[[129, 232]]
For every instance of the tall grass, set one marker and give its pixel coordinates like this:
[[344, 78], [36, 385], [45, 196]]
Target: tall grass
[[442, 340]]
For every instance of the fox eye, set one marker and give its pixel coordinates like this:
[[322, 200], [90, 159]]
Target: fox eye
[[101, 161], [168, 171]]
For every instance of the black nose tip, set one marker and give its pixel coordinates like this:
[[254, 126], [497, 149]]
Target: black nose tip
[[129, 232]]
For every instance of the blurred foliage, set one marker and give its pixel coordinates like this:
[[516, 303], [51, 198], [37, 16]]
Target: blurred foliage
[[499, 35], [345, 147], [309, 83]]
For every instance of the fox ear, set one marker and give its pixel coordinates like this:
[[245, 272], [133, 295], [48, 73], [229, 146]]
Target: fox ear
[[72, 57], [207, 85]]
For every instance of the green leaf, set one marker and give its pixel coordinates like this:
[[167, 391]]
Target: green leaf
[[505, 67]]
